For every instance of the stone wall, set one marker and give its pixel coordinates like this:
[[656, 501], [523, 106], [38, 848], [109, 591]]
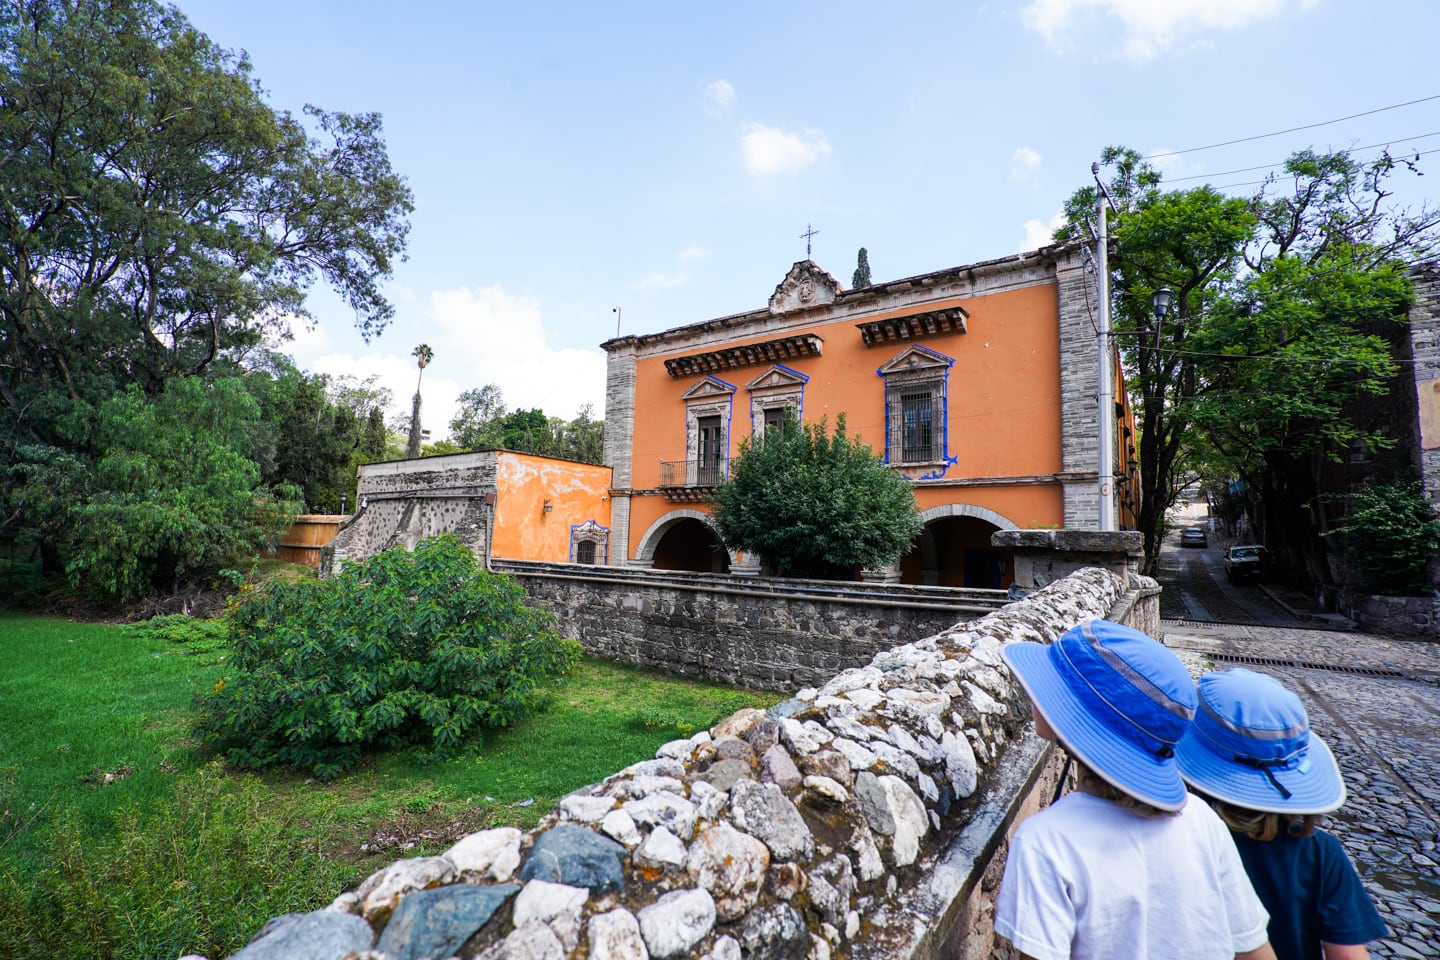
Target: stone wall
[[401, 501], [1424, 320], [763, 633], [1397, 616], [1079, 402], [862, 818]]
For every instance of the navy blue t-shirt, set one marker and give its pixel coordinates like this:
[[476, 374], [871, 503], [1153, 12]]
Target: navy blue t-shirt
[[1312, 893]]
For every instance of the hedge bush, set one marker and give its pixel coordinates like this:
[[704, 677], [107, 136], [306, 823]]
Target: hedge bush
[[1392, 533], [403, 648]]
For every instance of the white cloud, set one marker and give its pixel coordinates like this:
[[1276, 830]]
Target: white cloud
[[305, 340], [1148, 28], [660, 279], [481, 336], [1168, 163], [663, 281], [719, 96], [1025, 163], [1040, 233], [770, 150]]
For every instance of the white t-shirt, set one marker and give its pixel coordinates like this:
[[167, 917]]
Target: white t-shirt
[[1089, 879]]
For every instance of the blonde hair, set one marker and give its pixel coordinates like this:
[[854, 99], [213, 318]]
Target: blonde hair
[[1088, 781], [1258, 825]]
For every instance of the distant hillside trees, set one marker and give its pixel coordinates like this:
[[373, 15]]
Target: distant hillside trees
[[484, 423]]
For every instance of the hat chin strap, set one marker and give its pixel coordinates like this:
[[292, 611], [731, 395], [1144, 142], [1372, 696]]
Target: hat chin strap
[[1266, 767]]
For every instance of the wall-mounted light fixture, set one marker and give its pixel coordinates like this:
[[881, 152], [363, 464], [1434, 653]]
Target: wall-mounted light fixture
[[549, 506]]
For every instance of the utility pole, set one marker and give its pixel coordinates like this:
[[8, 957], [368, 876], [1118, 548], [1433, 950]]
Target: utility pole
[[1105, 432]]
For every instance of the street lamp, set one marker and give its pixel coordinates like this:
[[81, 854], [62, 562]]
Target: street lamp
[[1160, 302]]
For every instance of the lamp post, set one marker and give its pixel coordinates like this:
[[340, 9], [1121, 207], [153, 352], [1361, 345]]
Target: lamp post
[[1105, 426], [1160, 302]]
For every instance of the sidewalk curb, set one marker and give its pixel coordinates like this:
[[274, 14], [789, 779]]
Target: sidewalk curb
[[1330, 619]]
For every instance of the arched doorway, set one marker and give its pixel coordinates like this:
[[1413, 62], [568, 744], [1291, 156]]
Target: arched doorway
[[684, 540], [954, 550]]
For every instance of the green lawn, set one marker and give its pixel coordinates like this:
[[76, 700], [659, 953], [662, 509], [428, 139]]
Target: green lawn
[[119, 836]]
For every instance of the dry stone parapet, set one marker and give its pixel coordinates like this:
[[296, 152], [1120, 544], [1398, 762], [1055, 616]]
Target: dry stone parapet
[[795, 833]]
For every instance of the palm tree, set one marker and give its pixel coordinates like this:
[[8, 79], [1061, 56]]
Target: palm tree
[[423, 355]]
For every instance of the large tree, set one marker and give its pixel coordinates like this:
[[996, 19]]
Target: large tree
[[1302, 353], [1281, 305], [423, 355], [1189, 241], [313, 439], [156, 492], [156, 215], [815, 503]]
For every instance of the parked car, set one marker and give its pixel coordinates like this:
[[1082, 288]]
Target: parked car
[[1193, 537], [1245, 562]]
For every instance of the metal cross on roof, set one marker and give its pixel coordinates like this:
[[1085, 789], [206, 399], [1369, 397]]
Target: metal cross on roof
[[809, 232]]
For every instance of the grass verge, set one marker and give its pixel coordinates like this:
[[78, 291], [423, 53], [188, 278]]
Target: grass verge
[[119, 837]]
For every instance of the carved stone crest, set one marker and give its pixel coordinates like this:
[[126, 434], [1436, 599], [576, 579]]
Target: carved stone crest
[[806, 285]]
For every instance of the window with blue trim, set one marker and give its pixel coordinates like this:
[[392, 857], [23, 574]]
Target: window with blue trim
[[916, 400]]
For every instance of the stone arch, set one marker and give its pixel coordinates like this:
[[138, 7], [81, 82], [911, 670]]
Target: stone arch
[[928, 563], [968, 510], [645, 551]]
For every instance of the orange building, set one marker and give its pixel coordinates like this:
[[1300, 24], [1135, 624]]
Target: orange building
[[978, 383], [499, 503]]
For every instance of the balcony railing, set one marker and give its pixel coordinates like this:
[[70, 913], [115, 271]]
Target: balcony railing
[[691, 473]]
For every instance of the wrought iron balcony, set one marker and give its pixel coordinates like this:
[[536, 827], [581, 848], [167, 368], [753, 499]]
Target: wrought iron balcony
[[690, 479]]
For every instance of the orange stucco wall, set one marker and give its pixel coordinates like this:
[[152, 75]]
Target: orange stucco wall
[[1003, 405], [577, 492]]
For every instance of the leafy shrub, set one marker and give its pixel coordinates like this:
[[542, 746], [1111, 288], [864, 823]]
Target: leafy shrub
[[403, 648], [815, 504], [156, 491], [179, 628], [198, 874], [1392, 533]]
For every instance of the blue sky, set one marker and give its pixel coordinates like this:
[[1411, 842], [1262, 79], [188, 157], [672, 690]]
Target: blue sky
[[664, 158]]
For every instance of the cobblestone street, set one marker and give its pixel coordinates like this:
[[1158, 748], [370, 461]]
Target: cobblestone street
[[1376, 701]]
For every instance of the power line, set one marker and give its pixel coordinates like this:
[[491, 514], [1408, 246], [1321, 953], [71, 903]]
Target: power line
[[1272, 357], [1273, 166], [1277, 133], [1253, 183]]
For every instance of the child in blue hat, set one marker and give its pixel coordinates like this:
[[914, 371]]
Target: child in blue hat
[[1251, 752], [1123, 868]]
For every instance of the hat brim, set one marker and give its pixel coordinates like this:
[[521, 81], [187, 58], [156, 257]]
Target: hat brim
[[1319, 789], [1124, 765]]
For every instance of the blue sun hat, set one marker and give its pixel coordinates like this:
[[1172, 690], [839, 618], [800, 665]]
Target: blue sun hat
[[1117, 700], [1251, 746]]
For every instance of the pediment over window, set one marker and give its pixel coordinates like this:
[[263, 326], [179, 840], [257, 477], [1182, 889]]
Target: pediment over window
[[708, 388], [916, 360], [931, 323], [778, 377], [589, 530], [805, 286]]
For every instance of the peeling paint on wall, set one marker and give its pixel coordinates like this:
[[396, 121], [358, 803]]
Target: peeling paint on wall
[[539, 500]]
